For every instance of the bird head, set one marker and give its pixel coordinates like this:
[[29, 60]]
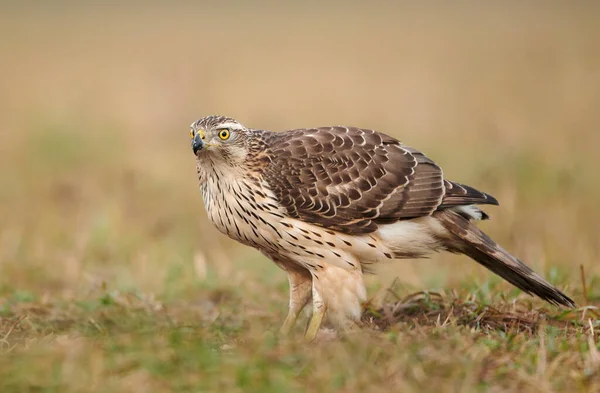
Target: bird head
[[221, 138]]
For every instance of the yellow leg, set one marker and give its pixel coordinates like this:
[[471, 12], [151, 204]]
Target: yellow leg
[[288, 324], [319, 309], [300, 292]]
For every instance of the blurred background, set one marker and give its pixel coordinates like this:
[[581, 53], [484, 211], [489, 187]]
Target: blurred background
[[97, 180]]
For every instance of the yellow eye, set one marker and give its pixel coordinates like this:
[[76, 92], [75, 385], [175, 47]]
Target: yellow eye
[[192, 134], [224, 134]]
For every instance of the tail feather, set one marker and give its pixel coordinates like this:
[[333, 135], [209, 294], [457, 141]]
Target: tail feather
[[467, 239]]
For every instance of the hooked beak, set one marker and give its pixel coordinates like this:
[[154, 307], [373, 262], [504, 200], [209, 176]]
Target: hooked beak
[[197, 143]]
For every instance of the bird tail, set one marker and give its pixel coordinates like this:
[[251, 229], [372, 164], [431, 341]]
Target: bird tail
[[466, 238]]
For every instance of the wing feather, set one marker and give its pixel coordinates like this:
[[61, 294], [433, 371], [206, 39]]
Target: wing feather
[[352, 179], [459, 194]]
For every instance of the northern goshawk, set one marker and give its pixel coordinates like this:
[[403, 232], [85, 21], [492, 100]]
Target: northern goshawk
[[324, 203]]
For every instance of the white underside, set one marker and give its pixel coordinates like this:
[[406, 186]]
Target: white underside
[[470, 210], [342, 287]]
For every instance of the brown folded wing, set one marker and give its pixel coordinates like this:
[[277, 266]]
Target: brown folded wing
[[352, 180]]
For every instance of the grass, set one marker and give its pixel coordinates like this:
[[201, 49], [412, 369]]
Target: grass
[[112, 280], [128, 341]]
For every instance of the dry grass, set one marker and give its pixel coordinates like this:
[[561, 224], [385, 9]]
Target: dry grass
[[111, 278]]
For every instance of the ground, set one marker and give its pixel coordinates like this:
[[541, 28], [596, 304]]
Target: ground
[[112, 279]]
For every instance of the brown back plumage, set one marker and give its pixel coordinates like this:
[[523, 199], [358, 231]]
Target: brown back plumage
[[352, 179]]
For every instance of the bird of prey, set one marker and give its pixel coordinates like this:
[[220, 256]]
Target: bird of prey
[[325, 203]]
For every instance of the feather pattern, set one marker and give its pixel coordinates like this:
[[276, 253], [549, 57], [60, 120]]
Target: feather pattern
[[352, 180]]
